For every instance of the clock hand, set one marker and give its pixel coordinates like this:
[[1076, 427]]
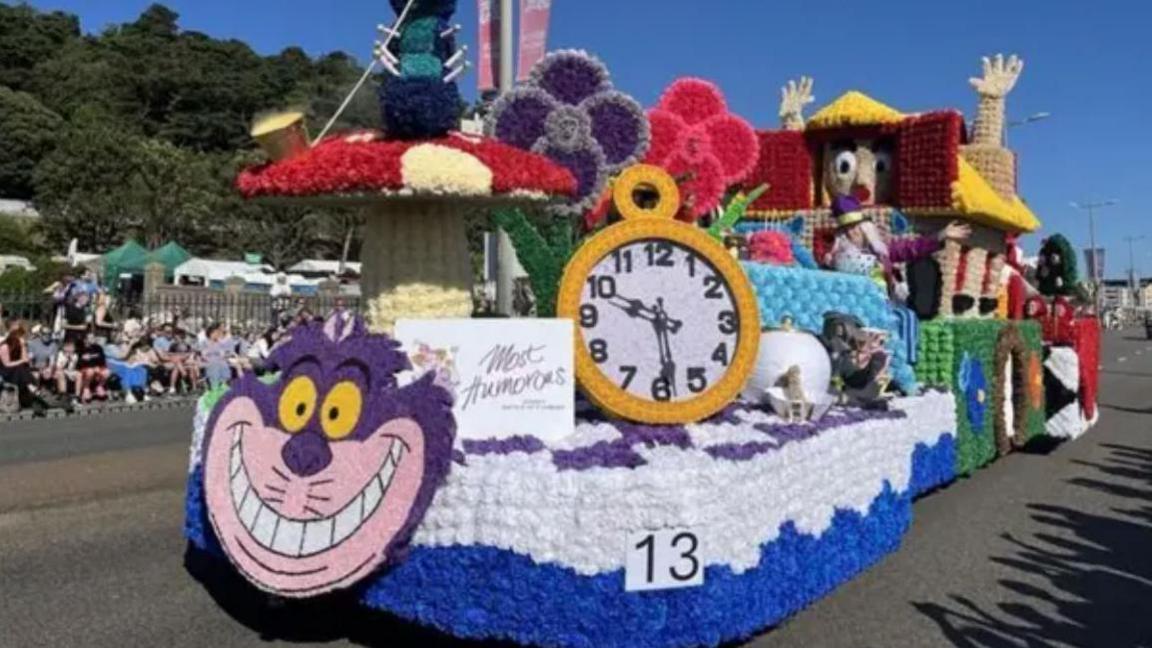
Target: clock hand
[[634, 308], [662, 324]]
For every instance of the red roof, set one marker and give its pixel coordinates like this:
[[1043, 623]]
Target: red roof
[[366, 163]]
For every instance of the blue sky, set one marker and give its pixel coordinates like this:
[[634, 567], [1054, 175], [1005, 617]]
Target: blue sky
[[1086, 63]]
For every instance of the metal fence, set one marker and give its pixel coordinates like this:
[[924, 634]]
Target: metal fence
[[190, 310]]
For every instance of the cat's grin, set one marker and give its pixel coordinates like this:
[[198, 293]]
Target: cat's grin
[[294, 537]]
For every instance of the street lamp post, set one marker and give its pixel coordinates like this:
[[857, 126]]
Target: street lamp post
[[1034, 117], [1091, 208], [1133, 283]]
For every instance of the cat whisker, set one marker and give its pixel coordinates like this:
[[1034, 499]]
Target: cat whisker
[[309, 509], [319, 482], [274, 500], [280, 474], [275, 489], [318, 498]]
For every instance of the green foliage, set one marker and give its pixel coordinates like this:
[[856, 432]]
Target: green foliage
[[17, 237], [21, 281], [543, 251], [735, 210], [28, 131], [140, 131]]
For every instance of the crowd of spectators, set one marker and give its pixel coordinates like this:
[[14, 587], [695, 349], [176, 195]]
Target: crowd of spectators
[[85, 355]]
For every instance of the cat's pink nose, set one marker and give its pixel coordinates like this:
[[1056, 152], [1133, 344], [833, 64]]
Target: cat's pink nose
[[306, 454]]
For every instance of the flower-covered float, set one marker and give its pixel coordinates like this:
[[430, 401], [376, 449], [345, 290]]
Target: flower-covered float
[[764, 421]]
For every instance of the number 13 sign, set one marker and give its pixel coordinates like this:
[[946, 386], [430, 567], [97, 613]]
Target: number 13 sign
[[664, 559]]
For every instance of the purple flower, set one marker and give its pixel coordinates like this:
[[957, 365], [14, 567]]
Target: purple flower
[[569, 111]]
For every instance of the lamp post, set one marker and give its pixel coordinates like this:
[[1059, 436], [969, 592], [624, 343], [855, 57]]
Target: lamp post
[[1091, 208], [1133, 284], [1030, 119]]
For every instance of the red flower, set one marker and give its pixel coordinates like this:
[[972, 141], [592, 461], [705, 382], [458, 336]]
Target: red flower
[[700, 143], [771, 247]]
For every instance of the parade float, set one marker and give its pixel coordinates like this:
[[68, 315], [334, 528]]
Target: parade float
[[779, 340]]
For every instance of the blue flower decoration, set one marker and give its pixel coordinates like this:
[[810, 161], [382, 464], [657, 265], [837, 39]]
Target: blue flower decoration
[[974, 387]]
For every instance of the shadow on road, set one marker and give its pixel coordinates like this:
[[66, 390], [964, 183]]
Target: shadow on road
[[330, 618], [1091, 575]]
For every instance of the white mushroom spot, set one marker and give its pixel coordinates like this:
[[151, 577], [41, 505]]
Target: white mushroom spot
[[432, 168]]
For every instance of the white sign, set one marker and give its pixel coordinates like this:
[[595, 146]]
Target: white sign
[[510, 376], [664, 559]]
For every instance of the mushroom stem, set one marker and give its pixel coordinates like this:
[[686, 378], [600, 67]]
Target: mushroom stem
[[415, 263]]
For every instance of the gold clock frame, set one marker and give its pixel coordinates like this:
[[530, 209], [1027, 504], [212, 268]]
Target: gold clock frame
[[603, 391]]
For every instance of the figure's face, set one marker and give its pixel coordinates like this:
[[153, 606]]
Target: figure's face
[[859, 168], [309, 481]]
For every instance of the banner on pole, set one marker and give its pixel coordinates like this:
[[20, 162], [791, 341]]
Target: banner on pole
[[534, 16], [488, 38], [1094, 262]]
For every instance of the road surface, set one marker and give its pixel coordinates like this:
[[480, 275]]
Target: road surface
[[1048, 548]]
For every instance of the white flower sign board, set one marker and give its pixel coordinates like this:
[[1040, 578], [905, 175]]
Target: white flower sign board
[[510, 377]]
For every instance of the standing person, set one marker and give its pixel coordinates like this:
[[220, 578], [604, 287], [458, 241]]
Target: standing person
[[93, 369], [16, 368], [76, 317], [102, 323]]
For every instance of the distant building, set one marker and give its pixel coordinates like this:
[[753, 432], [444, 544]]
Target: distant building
[[1117, 293]]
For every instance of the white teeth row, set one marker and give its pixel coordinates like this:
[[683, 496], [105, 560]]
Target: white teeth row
[[296, 538]]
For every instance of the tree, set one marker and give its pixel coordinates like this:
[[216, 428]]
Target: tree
[[101, 186], [16, 237], [27, 133], [28, 37]]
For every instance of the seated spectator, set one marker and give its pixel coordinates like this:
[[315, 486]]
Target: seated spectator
[[93, 371], [65, 369], [42, 350], [182, 358], [16, 368], [259, 350], [216, 354], [142, 354]]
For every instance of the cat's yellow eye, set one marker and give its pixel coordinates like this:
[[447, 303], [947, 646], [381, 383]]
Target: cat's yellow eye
[[297, 404], [341, 410]]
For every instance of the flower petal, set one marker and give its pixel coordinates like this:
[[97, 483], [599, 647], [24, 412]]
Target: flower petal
[[702, 189], [666, 131], [734, 143], [619, 125], [518, 116], [694, 100], [587, 166], [570, 76]]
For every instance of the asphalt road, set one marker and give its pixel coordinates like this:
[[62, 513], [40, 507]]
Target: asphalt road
[[1051, 547]]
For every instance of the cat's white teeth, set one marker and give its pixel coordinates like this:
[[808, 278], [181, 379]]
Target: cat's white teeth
[[317, 536], [249, 508], [264, 527], [289, 537]]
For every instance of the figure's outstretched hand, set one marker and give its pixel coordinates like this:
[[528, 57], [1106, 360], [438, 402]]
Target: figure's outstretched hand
[[793, 97], [1000, 75], [955, 231]]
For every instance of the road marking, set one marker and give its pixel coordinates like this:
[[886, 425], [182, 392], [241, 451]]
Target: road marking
[[1123, 359], [1139, 352]]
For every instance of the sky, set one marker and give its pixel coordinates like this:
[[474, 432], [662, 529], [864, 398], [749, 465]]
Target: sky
[[1086, 63]]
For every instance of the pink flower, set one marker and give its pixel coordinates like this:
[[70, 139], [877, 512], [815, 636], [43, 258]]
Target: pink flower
[[706, 148], [771, 247]]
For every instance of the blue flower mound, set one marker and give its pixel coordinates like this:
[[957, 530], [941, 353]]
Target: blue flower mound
[[484, 592], [197, 529], [933, 466], [806, 295]]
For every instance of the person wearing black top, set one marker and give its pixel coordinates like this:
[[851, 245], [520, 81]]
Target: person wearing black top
[[76, 318], [16, 368], [93, 370]]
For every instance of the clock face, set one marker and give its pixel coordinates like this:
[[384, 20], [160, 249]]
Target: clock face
[[659, 321]]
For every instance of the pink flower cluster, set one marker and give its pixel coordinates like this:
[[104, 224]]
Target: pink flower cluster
[[706, 148]]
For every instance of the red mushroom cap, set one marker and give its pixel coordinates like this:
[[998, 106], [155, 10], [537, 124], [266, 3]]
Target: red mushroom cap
[[366, 164]]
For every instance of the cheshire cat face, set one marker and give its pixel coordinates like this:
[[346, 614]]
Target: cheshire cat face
[[315, 481]]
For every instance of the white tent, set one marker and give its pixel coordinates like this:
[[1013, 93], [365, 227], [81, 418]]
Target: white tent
[[207, 271], [323, 267]]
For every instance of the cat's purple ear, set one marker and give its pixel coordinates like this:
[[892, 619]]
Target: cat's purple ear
[[342, 325]]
